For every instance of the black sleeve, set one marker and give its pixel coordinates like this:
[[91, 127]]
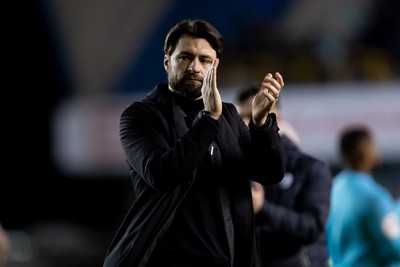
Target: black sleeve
[[308, 220], [267, 154], [150, 153]]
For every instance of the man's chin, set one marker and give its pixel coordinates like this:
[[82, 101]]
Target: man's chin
[[193, 84], [193, 90]]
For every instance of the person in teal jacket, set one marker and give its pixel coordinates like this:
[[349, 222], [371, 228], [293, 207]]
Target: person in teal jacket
[[398, 205], [363, 225]]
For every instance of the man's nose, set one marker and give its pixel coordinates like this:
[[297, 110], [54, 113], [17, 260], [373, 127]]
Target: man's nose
[[194, 66]]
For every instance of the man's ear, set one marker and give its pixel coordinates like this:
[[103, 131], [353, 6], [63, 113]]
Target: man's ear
[[166, 62]]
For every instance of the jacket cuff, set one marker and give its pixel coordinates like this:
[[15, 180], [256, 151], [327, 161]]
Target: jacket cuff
[[202, 116]]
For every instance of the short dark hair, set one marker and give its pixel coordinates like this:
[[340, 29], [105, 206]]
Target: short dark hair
[[250, 91], [351, 138], [245, 92], [196, 28]]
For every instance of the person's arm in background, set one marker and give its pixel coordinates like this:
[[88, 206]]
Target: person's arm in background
[[398, 206], [309, 219], [384, 224]]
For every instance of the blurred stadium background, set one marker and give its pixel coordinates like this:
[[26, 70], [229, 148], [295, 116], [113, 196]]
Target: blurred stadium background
[[77, 64]]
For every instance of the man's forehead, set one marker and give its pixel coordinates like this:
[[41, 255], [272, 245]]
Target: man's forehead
[[189, 44]]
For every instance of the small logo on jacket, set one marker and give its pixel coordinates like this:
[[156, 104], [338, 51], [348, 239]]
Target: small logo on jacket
[[287, 181]]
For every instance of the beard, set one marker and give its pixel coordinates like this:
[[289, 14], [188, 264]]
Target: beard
[[186, 87]]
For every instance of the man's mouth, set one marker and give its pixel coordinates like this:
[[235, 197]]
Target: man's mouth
[[193, 78]]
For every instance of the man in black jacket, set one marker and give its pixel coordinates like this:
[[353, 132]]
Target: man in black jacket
[[190, 157], [291, 216]]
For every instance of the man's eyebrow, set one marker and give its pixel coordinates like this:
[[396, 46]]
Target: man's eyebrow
[[185, 53], [206, 56], [189, 53]]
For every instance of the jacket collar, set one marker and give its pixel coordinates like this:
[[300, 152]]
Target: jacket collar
[[161, 96]]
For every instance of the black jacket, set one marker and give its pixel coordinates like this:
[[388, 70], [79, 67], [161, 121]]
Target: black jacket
[[163, 155], [291, 226]]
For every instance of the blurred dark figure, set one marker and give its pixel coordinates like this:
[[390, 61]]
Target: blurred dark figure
[[363, 225], [291, 215], [4, 246]]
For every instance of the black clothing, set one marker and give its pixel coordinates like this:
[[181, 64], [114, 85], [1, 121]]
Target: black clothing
[[291, 226], [191, 183], [208, 240]]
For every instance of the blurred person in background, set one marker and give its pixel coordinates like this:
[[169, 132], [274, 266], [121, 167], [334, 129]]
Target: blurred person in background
[[244, 99], [290, 216], [190, 158], [398, 205], [4, 246], [363, 225]]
